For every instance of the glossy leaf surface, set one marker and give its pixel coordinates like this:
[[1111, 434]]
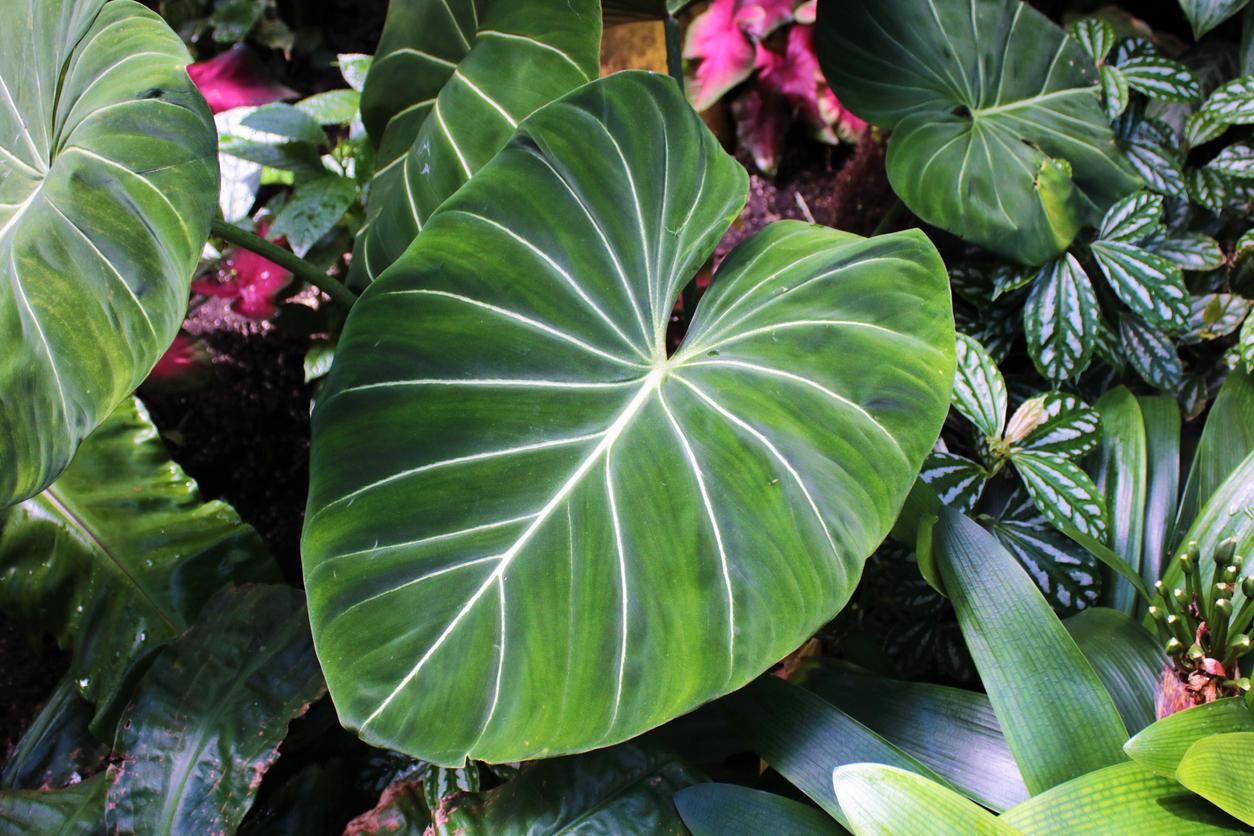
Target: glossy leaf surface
[[1127, 658], [998, 135], [57, 748], [567, 459], [208, 717], [884, 801], [108, 180], [1161, 746], [77, 810], [717, 809], [1205, 15], [117, 557], [448, 86], [1060, 319], [1218, 769], [1119, 470]]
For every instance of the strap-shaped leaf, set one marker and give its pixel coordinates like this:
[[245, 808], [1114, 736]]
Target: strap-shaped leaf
[[1097, 37], [717, 809], [567, 459], [119, 554], [998, 135], [1227, 439], [1120, 471], [884, 800], [1124, 798], [1225, 514], [208, 717], [1067, 426], [1062, 491], [951, 730], [1149, 284], [1126, 657], [957, 480], [1232, 102], [1161, 746], [1132, 219], [1150, 352], [1205, 15], [1218, 769], [1057, 717], [1161, 414], [451, 81], [979, 389], [1161, 78], [1191, 250], [108, 180], [1060, 319]]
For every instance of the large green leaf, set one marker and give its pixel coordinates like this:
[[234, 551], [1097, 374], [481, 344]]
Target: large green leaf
[[1054, 711], [117, 557], [1161, 414], [1161, 746], [1124, 798], [1227, 438], [208, 717], [1218, 769], [1227, 514], [1119, 470], [998, 135], [1126, 657], [57, 748], [626, 789], [108, 180], [450, 82], [77, 810], [886, 801], [950, 730], [718, 809], [503, 427]]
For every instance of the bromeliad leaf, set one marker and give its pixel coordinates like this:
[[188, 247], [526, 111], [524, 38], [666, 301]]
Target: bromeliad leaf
[[1132, 219], [979, 389], [1150, 352], [1161, 78], [1190, 250], [957, 480], [1062, 491], [1149, 284], [884, 799], [1216, 769], [1161, 746], [1060, 319], [1012, 155], [108, 181], [1097, 37], [716, 809], [448, 86], [117, 557], [567, 459]]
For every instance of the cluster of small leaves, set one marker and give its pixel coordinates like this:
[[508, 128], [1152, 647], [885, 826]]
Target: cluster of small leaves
[[1042, 443], [230, 22]]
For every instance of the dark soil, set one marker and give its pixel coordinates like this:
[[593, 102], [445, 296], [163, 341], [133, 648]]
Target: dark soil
[[29, 670]]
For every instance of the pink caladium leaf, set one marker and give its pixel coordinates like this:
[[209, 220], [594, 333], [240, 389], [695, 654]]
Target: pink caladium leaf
[[762, 120], [794, 73], [759, 19], [724, 51], [234, 79], [251, 280], [184, 366]]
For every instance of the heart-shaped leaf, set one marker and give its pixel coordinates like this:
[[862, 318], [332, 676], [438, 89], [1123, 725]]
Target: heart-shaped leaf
[[445, 92], [567, 460], [998, 135], [108, 181]]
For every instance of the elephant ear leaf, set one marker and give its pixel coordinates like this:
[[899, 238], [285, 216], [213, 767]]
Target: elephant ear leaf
[[998, 134], [108, 181], [501, 542], [449, 85]]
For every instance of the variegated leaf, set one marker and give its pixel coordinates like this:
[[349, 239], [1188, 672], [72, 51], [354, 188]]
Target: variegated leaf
[[979, 388], [1246, 343], [1205, 15], [1150, 352], [1193, 395], [1202, 126], [1129, 48], [1215, 315], [1008, 278], [1157, 167], [1245, 244], [1161, 78], [1062, 491], [1149, 284], [972, 282], [1133, 218], [1068, 576], [1209, 189], [1060, 319], [957, 480], [1237, 160], [1107, 347], [1190, 250], [1232, 102], [1095, 35], [1068, 427], [1115, 91]]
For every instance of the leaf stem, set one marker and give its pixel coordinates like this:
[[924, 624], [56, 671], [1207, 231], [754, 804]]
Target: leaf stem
[[286, 259], [890, 218], [674, 50]]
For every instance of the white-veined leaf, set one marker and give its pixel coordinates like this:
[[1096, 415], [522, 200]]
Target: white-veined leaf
[[1062, 491], [1232, 102], [1115, 91], [1202, 126], [1096, 36], [957, 480], [1210, 189], [1215, 315], [1067, 575], [1190, 250], [1205, 15], [1133, 218], [1150, 352], [1149, 284], [1068, 426], [979, 388], [1060, 319], [1161, 78], [1107, 347], [1157, 167], [1246, 343], [1237, 160], [1008, 278]]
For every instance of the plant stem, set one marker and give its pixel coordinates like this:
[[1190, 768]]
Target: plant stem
[[674, 50], [286, 259]]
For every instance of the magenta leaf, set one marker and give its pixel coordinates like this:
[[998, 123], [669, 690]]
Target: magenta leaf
[[725, 53], [235, 78], [251, 280]]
